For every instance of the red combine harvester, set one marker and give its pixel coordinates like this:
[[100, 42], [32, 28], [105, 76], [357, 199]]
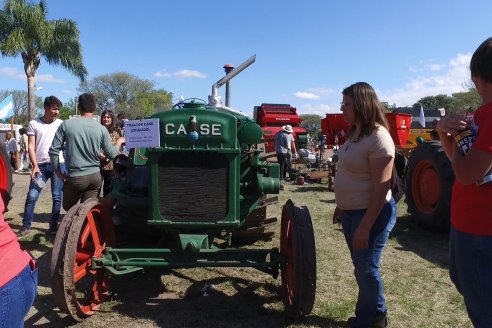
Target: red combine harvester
[[333, 125], [271, 118], [424, 168]]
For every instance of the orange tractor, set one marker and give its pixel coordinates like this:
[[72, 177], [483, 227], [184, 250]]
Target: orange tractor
[[423, 167]]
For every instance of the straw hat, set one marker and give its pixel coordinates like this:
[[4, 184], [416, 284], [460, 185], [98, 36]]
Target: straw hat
[[288, 128]]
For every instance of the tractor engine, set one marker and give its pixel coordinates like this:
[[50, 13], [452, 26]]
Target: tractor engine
[[206, 171]]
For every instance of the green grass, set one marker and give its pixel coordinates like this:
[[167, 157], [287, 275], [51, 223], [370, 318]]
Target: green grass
[[418, 290]]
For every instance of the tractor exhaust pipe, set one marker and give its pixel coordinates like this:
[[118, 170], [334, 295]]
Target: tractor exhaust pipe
[[214, 100]]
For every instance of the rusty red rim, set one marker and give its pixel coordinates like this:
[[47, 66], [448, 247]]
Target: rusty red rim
[[4, 178], [92, 285], [287, 252], [426, 186]]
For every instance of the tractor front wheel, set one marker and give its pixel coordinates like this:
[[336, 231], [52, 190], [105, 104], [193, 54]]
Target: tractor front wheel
[[86, 230], [298, 252]]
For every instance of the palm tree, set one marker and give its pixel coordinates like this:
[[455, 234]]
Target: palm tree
[[24, 30]]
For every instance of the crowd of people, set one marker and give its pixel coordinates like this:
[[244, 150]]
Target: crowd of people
[[364, 203], [72, 155]]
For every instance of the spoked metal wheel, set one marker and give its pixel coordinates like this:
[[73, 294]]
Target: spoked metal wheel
[[85, 232], [298, 252]]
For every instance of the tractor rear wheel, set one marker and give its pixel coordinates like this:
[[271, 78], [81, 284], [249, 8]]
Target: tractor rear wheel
[[85, 232], [57, 255], [298, 252], [429, 182], [5, 176]]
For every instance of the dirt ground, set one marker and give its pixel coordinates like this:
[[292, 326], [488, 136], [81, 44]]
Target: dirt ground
[[415, 269], [173, 298]]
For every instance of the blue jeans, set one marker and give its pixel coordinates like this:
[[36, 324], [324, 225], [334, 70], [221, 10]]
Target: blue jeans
[[47, 172], [16, 298], [366, 261], [470, 269]]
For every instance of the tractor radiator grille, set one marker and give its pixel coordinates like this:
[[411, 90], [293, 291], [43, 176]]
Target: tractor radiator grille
[[193, 186]]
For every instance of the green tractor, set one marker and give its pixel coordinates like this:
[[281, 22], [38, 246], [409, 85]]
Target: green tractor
[[190, 198]]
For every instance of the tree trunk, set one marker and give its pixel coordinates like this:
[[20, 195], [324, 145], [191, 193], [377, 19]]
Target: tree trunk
[[32, 98], [31, 64]]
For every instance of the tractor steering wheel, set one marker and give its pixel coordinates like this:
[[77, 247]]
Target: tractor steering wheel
[[180, 105]]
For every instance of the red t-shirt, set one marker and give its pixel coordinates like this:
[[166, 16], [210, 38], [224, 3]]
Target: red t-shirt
[[12, 258], [471, 205]]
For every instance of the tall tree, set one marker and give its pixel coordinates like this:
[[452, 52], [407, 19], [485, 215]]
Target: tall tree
[[434, 102], [312, 124], [68, 108], [462, 101], [128, 94], [25, 31]]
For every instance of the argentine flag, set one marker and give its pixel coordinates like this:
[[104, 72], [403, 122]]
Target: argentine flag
[[422, 117], [7, 108]]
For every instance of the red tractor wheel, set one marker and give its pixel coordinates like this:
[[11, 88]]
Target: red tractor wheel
[[5, 176], [425, 186], [85, 232], [57, 255], [429, 182], [298, 252]]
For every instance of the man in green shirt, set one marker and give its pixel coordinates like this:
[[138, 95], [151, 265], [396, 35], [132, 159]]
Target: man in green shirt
[[83, 139]]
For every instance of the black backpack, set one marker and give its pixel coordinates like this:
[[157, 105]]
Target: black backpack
[[398, 177]]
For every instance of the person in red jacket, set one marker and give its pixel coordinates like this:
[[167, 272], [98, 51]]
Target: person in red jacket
[[18, 277], [468, 145]]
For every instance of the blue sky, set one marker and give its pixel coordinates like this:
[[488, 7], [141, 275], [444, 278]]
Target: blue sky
[[306, 51]]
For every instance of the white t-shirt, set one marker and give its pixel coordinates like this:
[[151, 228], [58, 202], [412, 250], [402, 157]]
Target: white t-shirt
[[44, 134], [290, 138]]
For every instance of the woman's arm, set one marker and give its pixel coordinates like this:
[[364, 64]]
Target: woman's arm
[[381, 170]]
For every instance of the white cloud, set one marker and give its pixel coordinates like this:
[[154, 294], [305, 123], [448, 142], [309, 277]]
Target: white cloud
[[162, 73], [322, 91], [48, 78], [436, 67], [320, 109], [183, 74], [452, 77], [186, 73], [12, 73], [306, 95], [15, 74]]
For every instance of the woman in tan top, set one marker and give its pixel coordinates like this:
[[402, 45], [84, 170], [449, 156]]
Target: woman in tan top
[[363, 196]]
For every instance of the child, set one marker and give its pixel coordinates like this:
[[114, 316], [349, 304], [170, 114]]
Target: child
[[470, 243]]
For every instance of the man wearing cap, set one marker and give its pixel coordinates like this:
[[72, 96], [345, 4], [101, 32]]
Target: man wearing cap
[[284, 143]]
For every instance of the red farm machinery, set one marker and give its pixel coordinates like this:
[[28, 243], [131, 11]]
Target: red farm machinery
[[424, 168], [271, 118]]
